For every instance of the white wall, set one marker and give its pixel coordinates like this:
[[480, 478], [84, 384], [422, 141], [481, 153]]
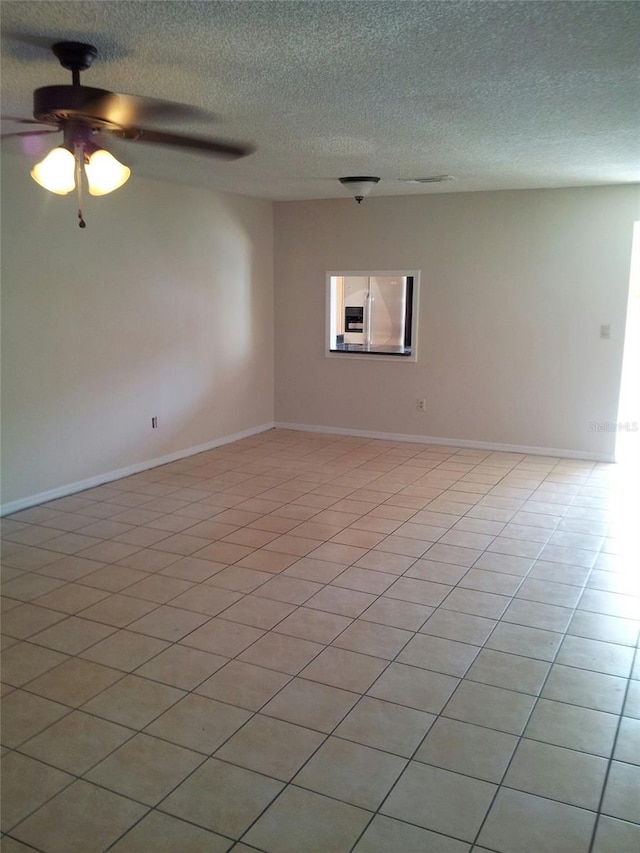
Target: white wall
[[514, 288], [162, 306]]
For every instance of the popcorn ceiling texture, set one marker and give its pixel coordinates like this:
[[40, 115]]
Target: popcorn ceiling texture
[[503, 95]]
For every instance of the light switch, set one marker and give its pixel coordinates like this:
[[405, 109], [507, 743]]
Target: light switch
[[605, 331]]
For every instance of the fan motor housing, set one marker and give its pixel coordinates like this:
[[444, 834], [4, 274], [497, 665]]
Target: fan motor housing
[[84, 104]]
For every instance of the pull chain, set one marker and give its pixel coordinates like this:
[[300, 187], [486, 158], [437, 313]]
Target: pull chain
[[79, 152]]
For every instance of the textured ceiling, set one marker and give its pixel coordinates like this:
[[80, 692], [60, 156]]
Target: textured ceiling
[[502, 95]]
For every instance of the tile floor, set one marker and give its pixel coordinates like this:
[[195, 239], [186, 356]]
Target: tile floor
[[299, 643]]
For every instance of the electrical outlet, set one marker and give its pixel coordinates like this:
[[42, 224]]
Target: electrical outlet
[[421, 405], [154, 423]]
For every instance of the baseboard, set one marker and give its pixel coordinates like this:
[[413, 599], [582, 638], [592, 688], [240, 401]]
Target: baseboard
[[108, 477], [455, 442]]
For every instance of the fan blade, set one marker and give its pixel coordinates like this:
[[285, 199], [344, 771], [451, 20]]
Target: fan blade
[[20, 120], [28, 133], [88, 104], [125, 110], [217, 148]]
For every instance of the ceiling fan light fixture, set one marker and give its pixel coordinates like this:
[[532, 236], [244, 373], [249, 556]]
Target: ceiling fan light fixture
[[359, 186], [104, 173], [56, 172]]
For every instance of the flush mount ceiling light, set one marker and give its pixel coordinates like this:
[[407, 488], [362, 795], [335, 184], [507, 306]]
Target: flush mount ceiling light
[[359, 186]]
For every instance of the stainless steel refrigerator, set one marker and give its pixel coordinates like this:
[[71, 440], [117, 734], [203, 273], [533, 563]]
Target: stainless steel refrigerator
[[375, 312]]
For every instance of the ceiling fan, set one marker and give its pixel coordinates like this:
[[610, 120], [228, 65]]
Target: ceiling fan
[[83, 113]]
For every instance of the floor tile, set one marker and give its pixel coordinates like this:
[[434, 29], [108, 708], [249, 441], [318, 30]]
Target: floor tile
[[385, 725], [622, 792], [23, 662], [430, 570], [428, 796], [77, 742], [258, 612], [282, 653], [113, 578], [414, 687], [343, 602], [397, 613], [181, 666], [486, 581], [133, 701], [168, 623], [273, 747], [345, 669], [25, 620], [72, 635], [307, 703], [26, 785], [513, 672], [557, 773], [74, 682], [315, 625], [243, 684], [316, 824], [618, 835], [145, 769], [287, 574], [418, 591], [476, 603], [379, 561], [192, 569], [523, 823], [25, 714], [521, 640], [165, 834], [125, 650], [364, 580], [290, 590], [222, 637], [369, 638], [573, 727], [611, 629], [465, 748], [632, 702], [493, 707], [438, 654], [533, 614], [93, 819], [464, 627], [628, 741], [118, 610], [385, 834], [222, 797], [596, 655], [351, 772], [158, 588], [198, 723], [318, 571], [588, 689]]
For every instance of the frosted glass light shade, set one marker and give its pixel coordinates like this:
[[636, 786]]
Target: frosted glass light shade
[[56, 172], [104, 173]]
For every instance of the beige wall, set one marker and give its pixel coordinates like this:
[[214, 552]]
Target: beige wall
[[514, 288], [162, 306]]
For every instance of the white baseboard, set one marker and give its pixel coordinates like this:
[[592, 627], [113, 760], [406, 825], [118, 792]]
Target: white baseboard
[[108, 477], [454, 442]]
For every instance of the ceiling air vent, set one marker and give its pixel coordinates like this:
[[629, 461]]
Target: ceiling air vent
[[434, 179]]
